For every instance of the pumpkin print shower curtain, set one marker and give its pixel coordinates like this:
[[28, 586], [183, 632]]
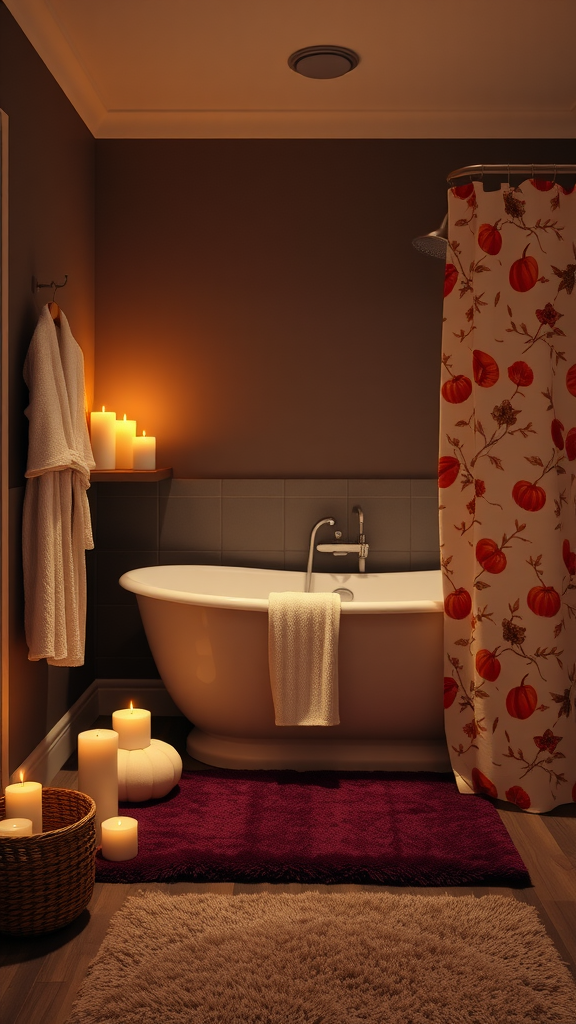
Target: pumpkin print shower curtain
[[507, 486]]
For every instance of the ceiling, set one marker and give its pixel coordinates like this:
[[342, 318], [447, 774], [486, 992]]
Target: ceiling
[[218, 68]]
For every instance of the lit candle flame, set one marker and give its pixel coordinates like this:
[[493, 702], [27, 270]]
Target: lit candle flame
[[124, 417], [131, 706], [119, 821], [103, 408], [22, 777], [143, 433]]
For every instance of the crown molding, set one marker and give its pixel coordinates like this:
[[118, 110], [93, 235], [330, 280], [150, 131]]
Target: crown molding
[[330, 124], [38, 25]]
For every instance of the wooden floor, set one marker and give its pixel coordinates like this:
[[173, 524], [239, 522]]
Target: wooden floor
[[39, 977]]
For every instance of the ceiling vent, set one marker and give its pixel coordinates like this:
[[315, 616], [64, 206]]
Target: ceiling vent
[[323, 61]]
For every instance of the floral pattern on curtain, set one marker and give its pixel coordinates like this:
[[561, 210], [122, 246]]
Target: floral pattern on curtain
[[507, 485]]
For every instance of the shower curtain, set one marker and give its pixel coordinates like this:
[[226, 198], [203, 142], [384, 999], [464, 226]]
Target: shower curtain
[[507, 486]]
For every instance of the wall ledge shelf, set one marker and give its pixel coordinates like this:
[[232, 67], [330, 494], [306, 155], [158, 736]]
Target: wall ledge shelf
[[135, 476]]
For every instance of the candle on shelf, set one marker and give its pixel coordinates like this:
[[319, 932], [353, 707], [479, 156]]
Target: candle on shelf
[[119, 838], [144, 452], [98, 772], [125, 434], [11, 827], [103, 438], [133, 726], [24, 800]]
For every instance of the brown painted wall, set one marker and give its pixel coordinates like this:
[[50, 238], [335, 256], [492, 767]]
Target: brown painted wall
[[260, 307], [51, 233]]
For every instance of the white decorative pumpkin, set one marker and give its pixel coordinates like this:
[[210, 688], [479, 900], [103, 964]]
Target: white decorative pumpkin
[[148, 773]]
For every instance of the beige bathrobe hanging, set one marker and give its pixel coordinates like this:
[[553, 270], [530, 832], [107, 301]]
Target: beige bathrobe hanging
[[56, 526]]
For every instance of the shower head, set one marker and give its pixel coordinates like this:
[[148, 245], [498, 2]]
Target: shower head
[[435, 243]]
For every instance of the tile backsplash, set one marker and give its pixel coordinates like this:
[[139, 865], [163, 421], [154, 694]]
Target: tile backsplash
[[259, 523]]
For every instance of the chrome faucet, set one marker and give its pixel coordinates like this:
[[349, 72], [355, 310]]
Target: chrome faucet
[[345, 549], [311, 550]]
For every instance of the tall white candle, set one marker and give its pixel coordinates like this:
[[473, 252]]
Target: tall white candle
[[133, 726], [103, 438], [125, 434], [11, 827], [119, 838], [144, 449], [24, 800], [98, 772]]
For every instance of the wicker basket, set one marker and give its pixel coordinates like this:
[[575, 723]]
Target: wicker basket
[[47, 880]]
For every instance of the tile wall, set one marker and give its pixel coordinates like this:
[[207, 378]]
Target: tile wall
[[261, 523]]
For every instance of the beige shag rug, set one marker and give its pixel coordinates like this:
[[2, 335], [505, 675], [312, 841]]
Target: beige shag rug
[[341, 958]]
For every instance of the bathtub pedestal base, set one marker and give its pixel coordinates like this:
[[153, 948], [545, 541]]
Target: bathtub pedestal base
[[311, 755]]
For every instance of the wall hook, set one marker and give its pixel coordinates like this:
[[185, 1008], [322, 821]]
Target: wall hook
[[36, 284]]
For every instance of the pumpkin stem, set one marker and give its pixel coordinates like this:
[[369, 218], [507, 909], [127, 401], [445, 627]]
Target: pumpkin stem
[[525, 677], [525, 250]]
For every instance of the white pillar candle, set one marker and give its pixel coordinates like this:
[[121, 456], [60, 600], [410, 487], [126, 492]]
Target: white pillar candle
[[98, 772], [125, 434], [11, 827], [144, 452], [103, 438], [133, 726], [119, 838], [24, 800]]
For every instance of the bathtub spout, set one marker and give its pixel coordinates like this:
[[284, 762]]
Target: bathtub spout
[[361, 548], [322, 522]]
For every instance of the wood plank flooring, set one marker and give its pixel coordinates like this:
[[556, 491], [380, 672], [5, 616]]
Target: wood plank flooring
[[40, 977]]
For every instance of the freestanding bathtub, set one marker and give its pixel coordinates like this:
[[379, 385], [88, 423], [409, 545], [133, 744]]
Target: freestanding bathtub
[[207, 627]]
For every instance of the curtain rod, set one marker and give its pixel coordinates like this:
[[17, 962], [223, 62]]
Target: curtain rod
[[479, 170]]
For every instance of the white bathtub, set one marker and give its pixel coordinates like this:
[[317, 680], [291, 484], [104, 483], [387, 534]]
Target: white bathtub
[[207, 627]]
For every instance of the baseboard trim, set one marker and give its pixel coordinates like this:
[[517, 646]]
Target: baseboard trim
[[102, 697]]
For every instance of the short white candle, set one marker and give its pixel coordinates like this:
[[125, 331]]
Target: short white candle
[[119, 838], [98, 772], [11, 827], [125, 434], [133, 726], [144, 449], [103, 438], [24, 800]]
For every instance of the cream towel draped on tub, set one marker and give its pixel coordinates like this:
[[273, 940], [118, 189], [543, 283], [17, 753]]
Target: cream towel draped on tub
[[303, 657], [56, 527]]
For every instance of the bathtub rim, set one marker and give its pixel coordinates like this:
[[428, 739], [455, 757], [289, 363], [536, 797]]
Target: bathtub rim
[[132, 582]]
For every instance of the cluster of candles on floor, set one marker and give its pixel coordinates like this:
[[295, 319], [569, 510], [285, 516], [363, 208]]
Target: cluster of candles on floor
[[98, 777], [115, 444]]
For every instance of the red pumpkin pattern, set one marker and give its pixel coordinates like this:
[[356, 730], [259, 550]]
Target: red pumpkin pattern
[[485, 369], [530, 497], [490, 556], [458, 604], [544, 601], [569, 557], [521, 374], [489, 239], [463, 191], [571, 444], [450, 691], [556, 429], [523, 273], [488, 666], [571, 380], [517, 795], [450, 278], [521, 701], [457, 389], [482, 784], [507, 463], [448, 469], [541, 184]]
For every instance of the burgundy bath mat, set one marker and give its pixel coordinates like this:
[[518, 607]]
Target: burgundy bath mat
[[384, 828]]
